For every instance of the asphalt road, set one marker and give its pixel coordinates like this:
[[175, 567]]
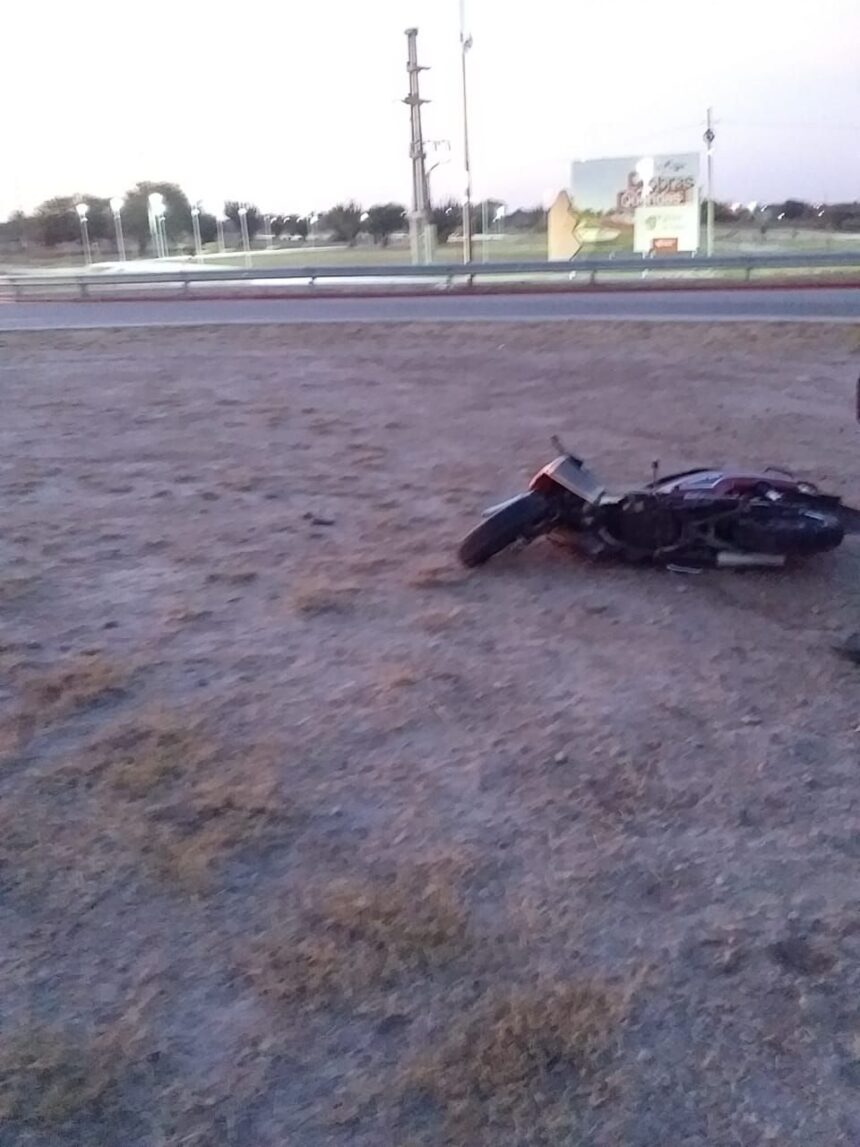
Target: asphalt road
[[810, 305]]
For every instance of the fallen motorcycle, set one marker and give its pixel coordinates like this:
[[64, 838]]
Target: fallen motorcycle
[[693, 520]]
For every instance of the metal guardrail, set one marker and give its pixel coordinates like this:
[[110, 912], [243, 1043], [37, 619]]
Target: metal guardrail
[[449, 274]]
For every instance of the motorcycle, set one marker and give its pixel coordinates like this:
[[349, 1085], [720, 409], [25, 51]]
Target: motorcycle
[[696, 519]]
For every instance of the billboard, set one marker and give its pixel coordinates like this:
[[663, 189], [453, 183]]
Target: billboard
[[666, 230], [661, 191]]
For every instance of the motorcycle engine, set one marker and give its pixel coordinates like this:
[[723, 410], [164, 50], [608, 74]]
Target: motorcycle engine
[[646, 523]]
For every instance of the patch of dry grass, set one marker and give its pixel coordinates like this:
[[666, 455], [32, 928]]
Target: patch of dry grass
[[71, 686], [139, 754], [523, 1063], [51, 1077], [232, 577], [49, 856], [187, 838], [436, 575], [182, 800], [317, 595], [353, 937], [440, 620], [393, 676]]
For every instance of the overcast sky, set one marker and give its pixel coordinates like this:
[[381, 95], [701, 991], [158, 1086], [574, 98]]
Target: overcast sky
[[294, 104]]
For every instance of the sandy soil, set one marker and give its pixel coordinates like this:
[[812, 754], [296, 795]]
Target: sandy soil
[[307, 836]]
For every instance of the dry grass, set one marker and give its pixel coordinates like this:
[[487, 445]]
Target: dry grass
[[188, 838], [353, 937], [394, 676], [323, 595], [523, 1064], [233, 577], [437, 575], [440, 620], [140, 754], [71, 686], [51, 1077], [182, 800]]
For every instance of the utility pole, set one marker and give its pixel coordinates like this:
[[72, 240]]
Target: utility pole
[[465, 45], [709, 143], [420, 235]]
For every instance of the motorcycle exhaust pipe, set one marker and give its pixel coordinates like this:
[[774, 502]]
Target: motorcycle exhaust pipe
[[736, 560]]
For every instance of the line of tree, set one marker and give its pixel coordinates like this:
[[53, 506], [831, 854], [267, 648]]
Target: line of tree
[[829, 216], [55, 221]]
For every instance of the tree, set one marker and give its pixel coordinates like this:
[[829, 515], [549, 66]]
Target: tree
[[842, 216], [795, 209], [723, 212], [290, 225], [383, 219], [208, 227], [135, 212], [446, 218], [344, 222], [482, 212], [297, 225], [99, 217], [56, 221], [253, 218], [18, 228], [526, 219]]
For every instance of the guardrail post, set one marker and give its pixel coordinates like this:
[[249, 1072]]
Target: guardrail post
[[592, 278], [83, 288], [749, 271]]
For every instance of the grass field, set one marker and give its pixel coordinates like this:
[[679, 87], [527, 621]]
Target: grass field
[[512, 247], [528, 247], [309, 836]]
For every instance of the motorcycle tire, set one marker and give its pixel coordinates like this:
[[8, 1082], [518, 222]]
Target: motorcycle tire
[[799, 534], [522, 519]]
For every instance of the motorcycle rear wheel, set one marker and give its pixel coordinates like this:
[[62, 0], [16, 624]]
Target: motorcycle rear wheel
[[798, 534], [521, 519]]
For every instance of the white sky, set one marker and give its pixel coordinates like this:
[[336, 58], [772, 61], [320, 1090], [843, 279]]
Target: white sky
[[294, 104]]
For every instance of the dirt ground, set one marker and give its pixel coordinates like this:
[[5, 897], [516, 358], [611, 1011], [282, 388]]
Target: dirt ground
[[308, 836]]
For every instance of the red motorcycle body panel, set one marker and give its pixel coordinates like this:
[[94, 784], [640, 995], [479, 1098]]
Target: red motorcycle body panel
[[727, 483]]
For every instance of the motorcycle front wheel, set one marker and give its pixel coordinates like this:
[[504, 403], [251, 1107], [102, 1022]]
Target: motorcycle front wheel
[[798, 534], [523, 518]]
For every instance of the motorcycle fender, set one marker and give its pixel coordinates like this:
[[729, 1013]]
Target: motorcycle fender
[[571, 476], [490, 510]]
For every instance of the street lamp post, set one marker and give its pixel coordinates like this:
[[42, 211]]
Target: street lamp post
[[156, 224], [195, 227], [246, 241], [220, 220], [312, 222], [116, 209], [709, 155], [465, 45], [83, 210]]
